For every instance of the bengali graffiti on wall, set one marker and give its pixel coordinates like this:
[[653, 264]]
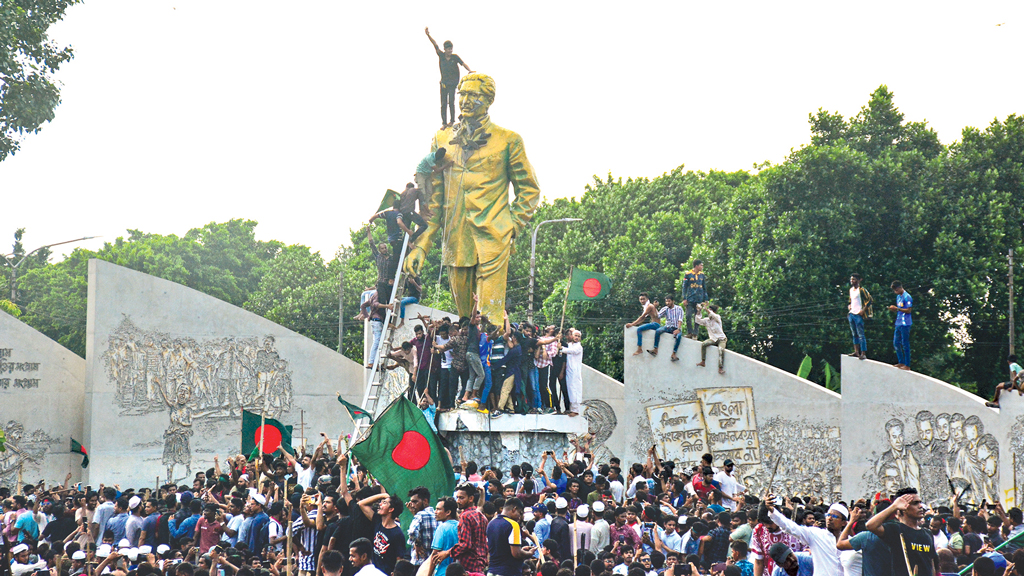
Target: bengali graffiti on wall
[[194, 381], [949, 452], [723, 422]]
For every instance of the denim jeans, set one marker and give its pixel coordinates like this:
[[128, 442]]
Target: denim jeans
[[378, 329], [901, 342], [407, 300], [643, 328], [535, 386], [485, 393], [857, 329], [662, 330]]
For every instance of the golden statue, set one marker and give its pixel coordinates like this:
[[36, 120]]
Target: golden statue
[[470, 204]]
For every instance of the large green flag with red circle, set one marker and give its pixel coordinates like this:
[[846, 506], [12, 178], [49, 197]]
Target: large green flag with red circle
[[402, 452], [275, 436], [588, 285]]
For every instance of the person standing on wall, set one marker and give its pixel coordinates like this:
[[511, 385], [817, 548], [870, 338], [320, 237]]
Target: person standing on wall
[[901, 333], [694, 293], [859, 309], [449, 64]]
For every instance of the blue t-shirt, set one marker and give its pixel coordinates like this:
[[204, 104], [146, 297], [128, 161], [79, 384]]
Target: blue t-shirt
[[446, 536], [876, 558], [429, 413], [502, 534], [904, 301], [28, 525]]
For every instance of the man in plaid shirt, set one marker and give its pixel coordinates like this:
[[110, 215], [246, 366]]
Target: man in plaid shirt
[[673, 316], [424, 523], [471, 551]]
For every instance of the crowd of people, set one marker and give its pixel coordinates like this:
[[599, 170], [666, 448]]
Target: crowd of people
[[320, 514]]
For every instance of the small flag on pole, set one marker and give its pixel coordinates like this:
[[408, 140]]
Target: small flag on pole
[[588, 285], [388, 200], [276, 436], [77, 448], [355, 411]]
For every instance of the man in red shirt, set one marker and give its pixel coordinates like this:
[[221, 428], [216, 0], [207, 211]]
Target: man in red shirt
[[705, 484], [209, 528], [471, 551]]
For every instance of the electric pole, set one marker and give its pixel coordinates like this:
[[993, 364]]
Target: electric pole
[[341, 309]]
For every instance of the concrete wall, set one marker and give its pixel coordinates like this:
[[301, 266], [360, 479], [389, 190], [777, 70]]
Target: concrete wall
[[753, 414], [42, 387], [906, 429], [170, 369], [603, 396]]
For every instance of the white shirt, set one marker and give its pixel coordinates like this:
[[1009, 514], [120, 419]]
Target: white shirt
[[851, 561], [20, 569], [574, 363], [235, 524], [855, 303], [446, 358], [730, 487], [599, 536], [673, 541], [617, 489], [304, 476], [821, 542], [714, 325], [632, 486], [369, 570]]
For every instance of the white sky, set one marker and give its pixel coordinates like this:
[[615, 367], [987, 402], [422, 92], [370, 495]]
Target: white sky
[[300, 114]]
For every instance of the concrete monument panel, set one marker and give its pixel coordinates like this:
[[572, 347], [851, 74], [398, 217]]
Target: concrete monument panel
[[753, 414], [42, 386], [170, 370]]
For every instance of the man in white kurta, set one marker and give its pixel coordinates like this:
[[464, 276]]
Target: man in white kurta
[[574, 371]]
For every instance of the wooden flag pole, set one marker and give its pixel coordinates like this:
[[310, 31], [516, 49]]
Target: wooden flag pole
[[288, 550]]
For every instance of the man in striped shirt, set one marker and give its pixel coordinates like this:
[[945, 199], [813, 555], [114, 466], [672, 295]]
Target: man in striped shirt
[[305, 528], [673, 316]]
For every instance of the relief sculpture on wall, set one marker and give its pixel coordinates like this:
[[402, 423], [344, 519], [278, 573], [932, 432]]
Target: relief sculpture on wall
[[723, 422], [24, 453], [194, 381], [950, 451]]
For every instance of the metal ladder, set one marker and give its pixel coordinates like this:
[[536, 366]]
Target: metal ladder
[[375, 383]]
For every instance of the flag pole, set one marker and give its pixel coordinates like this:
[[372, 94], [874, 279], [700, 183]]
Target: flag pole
[[565, 301], [289, 546], [259, 465]]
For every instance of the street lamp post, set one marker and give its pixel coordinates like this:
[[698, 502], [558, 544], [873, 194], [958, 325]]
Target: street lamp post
[[14, 266], [533, 261]]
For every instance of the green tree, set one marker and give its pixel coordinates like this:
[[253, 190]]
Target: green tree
[[28, 62]]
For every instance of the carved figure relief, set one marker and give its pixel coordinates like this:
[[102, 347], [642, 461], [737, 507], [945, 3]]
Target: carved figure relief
[[25, 450], [194, 381], [950, 450], [723, 422]]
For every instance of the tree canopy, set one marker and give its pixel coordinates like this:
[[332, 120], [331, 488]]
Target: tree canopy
[[28, 61], [872, 194]]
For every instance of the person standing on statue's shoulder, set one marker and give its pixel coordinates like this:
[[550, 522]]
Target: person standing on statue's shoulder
[[859, 309], [449, 64], [694, 293], [901, 332]]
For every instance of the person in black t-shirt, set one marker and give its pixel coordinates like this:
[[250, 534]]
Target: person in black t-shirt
[[449, 64], [913, 548], [388, 537]]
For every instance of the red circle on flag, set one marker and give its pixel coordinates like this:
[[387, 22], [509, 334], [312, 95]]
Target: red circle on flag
[[271, 438], [591, 287], [413, 452]]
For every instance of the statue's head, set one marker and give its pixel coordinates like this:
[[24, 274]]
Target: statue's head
[[476, 94]]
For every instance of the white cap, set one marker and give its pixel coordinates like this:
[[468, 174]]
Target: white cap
[[260, 499], [598, 506], [145, 549], [583, 511], [244, 477], [162, 549], [103, 550], [124, 544], [528, 515], [19, 549], [838, 507], [132, 554], [561, 504], [134, 502], [78, 555]]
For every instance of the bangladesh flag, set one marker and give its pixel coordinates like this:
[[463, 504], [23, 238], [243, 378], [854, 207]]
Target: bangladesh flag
[[402, 453], [388, 200], [588, 285], [276, 436], [355, 411], [77, 448]]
